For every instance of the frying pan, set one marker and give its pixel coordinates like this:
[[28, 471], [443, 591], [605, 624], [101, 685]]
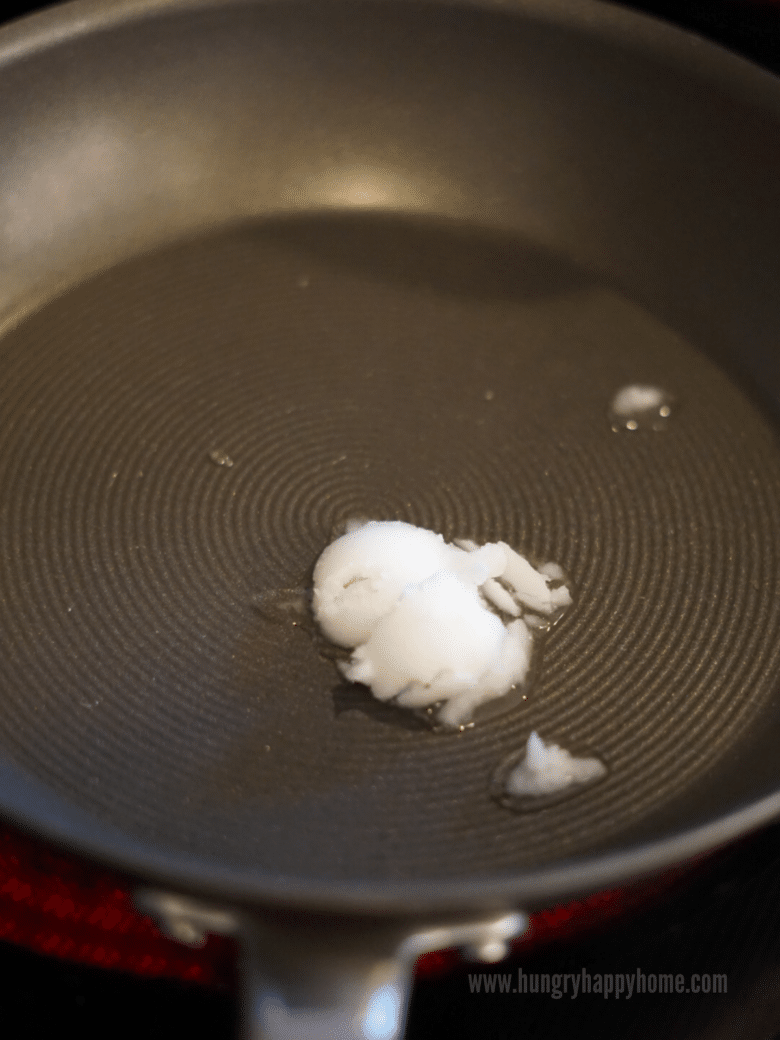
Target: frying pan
[[268, 267]]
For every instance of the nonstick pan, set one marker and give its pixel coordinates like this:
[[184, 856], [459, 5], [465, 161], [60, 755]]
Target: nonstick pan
[[269, 267]]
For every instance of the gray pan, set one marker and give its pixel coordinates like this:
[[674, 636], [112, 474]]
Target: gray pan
[[268, 267]]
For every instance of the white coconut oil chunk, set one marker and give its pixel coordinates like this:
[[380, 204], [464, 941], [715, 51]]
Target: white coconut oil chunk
[[548, 768], [429, 623]]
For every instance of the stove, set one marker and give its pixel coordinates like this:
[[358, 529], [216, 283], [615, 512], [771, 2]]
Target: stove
[[696, 955]]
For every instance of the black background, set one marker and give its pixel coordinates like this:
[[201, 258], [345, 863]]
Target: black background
[[725, 920]]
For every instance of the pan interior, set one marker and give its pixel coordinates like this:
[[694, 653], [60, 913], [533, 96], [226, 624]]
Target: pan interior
[[182, 435]]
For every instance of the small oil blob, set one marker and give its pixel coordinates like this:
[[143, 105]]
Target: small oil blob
[[220, 458], [541, 775], [640, 407]]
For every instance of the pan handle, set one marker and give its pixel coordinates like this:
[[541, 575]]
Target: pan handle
[[317, 976]]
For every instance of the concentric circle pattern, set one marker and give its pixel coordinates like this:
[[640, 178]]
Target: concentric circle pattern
[[181, 437]]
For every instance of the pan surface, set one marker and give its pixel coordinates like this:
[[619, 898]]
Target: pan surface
[[182, 433]]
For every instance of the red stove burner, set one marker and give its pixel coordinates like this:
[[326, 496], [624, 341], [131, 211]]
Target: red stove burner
[[65, 907]]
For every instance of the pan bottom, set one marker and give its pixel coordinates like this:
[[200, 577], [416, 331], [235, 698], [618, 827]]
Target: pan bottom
[[184, 433]]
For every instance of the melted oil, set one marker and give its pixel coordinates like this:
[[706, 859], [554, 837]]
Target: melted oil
[[639, 406], [221, 458]]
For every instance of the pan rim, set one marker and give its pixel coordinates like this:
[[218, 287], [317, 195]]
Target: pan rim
[[25, 36], [37, 810], [28, 804]]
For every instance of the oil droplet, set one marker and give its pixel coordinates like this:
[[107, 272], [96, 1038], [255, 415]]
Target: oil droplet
[[640, 407], [221, 458], [303, 282]]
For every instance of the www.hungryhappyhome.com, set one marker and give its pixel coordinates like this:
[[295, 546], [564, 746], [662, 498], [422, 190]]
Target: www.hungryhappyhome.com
[[608, 985]]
